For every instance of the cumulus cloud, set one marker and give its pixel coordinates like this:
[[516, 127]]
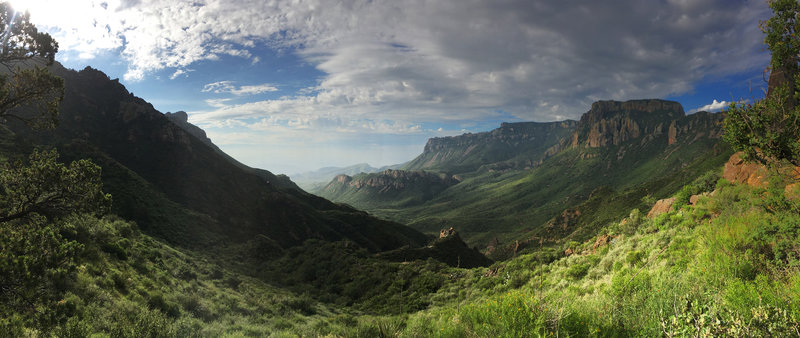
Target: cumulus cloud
[[711, 107], [421, 60]]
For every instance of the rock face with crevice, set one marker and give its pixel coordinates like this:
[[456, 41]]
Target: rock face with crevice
[[613, 122]]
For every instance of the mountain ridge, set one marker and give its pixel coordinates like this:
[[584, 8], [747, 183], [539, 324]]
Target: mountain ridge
[[236, 201], [618, 150]]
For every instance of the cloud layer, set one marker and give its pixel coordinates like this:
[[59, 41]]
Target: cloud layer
[[392, 66], [539, 60]]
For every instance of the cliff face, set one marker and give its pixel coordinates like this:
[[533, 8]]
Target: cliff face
[[613, 123], [639, 123], [520, 145]]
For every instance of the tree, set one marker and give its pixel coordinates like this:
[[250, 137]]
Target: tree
[[37, 197], [768, 130], [28, 93], [35, 258], [51, 189]]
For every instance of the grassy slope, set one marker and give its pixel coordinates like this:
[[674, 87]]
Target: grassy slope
[[512, 204], [729, 266]]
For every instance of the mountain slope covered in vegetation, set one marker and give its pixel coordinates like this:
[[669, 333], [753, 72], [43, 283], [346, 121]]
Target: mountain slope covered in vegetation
[[639, 222], [617, 154]]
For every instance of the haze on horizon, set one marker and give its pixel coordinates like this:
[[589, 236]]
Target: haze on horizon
[[292, 86]]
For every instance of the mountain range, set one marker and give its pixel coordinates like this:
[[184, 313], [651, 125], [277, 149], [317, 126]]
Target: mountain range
[[588, 227], [187, 190], [521, 180], [311, 180]]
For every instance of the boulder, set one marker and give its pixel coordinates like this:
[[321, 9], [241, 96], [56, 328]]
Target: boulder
[[739, 171], [661, 206], [695, 198], [601, 241]]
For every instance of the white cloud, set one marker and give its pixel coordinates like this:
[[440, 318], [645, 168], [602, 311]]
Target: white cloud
[[180, 71], [229, 87], [711, 107], [391, 66], [448, 57]]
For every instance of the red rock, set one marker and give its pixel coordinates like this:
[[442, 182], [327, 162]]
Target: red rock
[[601, 241], [661, 206], [739, 171]]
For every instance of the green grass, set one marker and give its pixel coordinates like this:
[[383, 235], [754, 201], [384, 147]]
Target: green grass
[[603, 184], [684, 273], [728, 266]]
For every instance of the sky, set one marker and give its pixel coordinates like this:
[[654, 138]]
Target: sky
[[292, 86]]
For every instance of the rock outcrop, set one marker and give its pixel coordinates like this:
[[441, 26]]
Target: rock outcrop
[[613, 122], [661, 206], [738, 171]]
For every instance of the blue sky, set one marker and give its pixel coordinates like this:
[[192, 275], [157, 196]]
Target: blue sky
[[292, 86]]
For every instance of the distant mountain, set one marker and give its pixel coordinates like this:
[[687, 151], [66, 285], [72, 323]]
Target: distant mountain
[[167, 176], [521, 145], [394, 187], [618, 153], [518, 145], [313, 180]]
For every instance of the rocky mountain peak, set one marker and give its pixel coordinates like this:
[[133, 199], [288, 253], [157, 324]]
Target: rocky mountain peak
[[178, 116]]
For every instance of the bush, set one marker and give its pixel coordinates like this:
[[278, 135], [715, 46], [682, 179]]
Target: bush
[[578, 270]]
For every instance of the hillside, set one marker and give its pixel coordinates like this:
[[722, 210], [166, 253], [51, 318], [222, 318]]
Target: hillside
[[192, 193], [313, 180], [193, 242], [520, 145], [721, 265], [390, 187]]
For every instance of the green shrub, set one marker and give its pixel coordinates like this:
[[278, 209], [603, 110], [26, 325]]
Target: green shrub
[[157, 301], [578, 270]]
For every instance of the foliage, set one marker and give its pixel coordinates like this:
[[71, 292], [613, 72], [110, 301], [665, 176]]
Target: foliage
[[768, 130], [343, 274], [30, 95], [35, 256], [49, 188], [21, 39], [35, 262]]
